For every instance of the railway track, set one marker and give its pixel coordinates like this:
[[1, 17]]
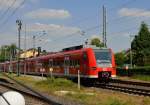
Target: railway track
[[131, 87], [50, 99], [11, 84], [146, 84], [29, 99]]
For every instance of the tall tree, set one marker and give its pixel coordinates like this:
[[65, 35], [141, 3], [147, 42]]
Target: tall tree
[[97, 42], [141, 46], [7, 51], [120, 58]]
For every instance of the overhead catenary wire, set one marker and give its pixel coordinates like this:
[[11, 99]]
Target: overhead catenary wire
[[95, 27], [7, 10], [113, 20], [14, 11], [1, 4], [124, 4], [90, 29]]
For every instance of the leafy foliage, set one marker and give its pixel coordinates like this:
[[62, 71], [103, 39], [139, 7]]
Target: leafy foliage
[[141, 46], [7, 51], [97, 42], [120, 58]]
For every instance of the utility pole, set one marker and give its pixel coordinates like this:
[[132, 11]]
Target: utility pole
[[10, 66], [34, 45], [104, 27], [25, 40], [19, 23], [131, 58], [34, 41]]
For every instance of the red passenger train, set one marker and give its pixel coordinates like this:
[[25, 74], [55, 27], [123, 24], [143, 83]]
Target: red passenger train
[[93, 64]]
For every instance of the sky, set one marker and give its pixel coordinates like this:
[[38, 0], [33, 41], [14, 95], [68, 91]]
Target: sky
[[57, 24]]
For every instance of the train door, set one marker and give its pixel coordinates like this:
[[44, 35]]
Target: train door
[[38, 66], [66, 65], [84, 63]]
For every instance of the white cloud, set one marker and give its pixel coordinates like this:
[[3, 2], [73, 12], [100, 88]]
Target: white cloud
[[43, 13], [52, 29], [134, 12]]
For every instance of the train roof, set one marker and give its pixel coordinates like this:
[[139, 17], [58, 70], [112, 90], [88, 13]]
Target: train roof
[[82, 47], [65, 51]]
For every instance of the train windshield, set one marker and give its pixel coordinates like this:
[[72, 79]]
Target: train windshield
[[103, 56]]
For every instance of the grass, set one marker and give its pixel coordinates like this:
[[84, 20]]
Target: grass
[[88, 96], [141, 77], [136, 77], [115, 102], [56, 84]]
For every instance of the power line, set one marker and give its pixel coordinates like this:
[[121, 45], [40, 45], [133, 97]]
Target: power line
[[7, 10], [115, 19], [106, 23], [95, 27], [111, 33], [15, 10], [2, 2], [71, 35]]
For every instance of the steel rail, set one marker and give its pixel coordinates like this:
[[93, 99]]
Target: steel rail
[[30, 91], [126, 89], [146, 84]]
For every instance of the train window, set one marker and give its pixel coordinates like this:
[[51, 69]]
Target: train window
[[54, 63], [57, 63], [66, 62], [51, 62], [45, 64], [72, 63], [78, 62], [61, 63]]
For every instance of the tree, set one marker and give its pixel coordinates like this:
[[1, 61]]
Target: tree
[[141, 46], [97, 42], [7, 51], [120, 58]]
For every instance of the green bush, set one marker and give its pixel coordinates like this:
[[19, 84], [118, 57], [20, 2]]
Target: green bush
[[133, 71]]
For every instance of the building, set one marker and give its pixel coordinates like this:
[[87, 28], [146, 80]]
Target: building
[[29, 53]]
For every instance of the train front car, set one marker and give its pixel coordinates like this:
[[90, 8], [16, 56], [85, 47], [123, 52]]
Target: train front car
[[102, 64]]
